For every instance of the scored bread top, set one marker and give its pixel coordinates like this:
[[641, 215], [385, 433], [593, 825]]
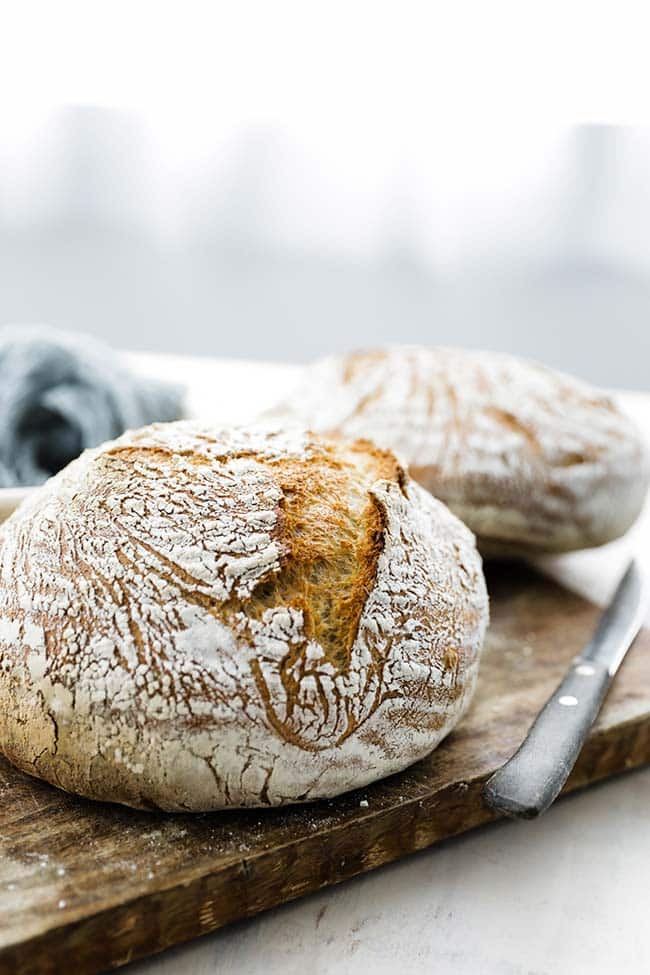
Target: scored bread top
[[192, 619], [527, 457]]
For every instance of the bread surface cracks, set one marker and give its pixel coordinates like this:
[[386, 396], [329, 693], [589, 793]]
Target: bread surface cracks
[[331, 532]]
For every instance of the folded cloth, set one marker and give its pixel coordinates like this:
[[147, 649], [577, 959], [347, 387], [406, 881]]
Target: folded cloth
[[60, 393]]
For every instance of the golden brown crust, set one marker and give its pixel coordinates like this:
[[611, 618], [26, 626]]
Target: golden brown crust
[[331, 532]]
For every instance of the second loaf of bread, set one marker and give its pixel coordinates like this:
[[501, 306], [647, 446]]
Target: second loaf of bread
[[529, 458]]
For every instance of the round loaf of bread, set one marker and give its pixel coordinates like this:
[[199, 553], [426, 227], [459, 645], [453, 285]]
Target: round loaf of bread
[[193, 619], [530, 459]]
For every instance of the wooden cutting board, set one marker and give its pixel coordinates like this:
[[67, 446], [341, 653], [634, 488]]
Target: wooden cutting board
[[87, 887]]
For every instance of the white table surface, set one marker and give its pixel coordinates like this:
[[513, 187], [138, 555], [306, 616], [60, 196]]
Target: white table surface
[[565, 894]]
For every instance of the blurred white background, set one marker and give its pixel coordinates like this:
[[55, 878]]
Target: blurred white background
[[291, 179]]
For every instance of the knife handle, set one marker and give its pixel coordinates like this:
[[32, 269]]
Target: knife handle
[[527, 784]]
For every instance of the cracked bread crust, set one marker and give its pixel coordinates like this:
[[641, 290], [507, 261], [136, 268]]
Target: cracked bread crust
[[530, 459], [193, 619]]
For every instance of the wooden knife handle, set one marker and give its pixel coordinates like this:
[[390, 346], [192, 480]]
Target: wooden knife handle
[[527, 784]]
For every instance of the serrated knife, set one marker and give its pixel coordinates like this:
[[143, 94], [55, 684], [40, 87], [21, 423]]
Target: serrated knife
[[529, 782]]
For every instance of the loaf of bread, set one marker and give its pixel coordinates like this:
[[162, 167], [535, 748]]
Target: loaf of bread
[[193, 619], [530, 459]]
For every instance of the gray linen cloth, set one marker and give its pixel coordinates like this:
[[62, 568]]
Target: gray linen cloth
[[61, 392]]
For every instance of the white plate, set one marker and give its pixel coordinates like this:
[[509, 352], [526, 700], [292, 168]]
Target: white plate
[[10, 498]]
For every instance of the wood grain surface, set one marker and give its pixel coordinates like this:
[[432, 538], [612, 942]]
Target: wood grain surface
[[87, 887]]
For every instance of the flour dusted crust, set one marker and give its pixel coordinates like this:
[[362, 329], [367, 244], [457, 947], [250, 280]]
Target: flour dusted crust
[[193, 619], [529, 458]]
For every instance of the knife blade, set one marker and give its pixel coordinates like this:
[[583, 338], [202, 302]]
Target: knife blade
[[531, 780]]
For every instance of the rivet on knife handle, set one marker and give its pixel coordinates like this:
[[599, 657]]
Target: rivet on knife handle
[[529, 782]]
